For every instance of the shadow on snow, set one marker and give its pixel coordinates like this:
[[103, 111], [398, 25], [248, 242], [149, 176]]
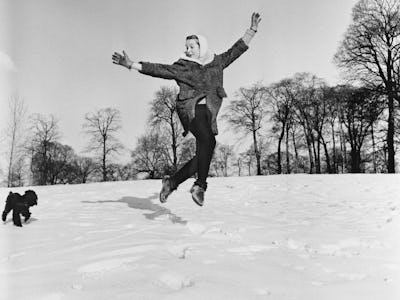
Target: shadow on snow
[[145, 204]]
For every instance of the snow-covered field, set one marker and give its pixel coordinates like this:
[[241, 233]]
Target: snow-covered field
[[272, 237]]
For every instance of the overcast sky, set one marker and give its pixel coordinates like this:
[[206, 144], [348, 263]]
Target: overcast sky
[[56, 54]]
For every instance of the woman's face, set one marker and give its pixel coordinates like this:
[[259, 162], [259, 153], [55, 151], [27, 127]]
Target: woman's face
[[192, 48]]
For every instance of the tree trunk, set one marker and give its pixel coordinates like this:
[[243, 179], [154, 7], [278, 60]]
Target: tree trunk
[[373, 148], [296, 154], [390, 136], [328, 161], [279, 159], [343, 148], [44, 167], [103, 163], [335, 165], [316, 162], [152, 174], [239, 164], [310, 153], [385, 154], [226, 167], [257, 153], [10, 165], [317, 155], [16, 117], [288, 171], [355, 160]]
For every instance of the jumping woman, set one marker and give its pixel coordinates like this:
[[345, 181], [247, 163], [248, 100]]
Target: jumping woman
[[199, 75]]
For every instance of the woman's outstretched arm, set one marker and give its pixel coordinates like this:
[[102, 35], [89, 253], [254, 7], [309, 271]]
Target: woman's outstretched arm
[[123, 60], [242, 44], [249, 34], [152, 69]]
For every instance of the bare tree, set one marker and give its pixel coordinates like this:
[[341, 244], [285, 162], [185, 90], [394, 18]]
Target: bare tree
[[247, 158], [297, 144], [239, 163], [282, 99], [15, 134], [45, 133], [247, 114], [307, 99], [164, 116], [101, 126], [321, 121], [149, 155], [122, 172], [361, 110], [370, 53], [222, 155], [333, 112], [61, 164], [85, 166], [340, 94]]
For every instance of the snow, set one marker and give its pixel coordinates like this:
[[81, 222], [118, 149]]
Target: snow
[[269, 237]]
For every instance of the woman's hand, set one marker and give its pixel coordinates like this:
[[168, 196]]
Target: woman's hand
[[255, 19], [122, 60]]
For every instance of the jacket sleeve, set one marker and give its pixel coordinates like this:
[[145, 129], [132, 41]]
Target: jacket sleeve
[[161, 70], [233, 53]]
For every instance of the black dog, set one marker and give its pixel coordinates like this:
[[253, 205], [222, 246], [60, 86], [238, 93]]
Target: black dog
[[19, 205]]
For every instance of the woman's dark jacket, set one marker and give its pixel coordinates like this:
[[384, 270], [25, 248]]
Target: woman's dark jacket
[[196, 82]]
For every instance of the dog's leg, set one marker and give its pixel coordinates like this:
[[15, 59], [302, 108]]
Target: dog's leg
[[4, 215], [27, 214], [9, 206], [16, 218], [7, 209]]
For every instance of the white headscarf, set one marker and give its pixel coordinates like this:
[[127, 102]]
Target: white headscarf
[[205, 55]]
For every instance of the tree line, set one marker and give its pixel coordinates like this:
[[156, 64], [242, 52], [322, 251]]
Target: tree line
[[296, 125], [35, 155], [315, 128]]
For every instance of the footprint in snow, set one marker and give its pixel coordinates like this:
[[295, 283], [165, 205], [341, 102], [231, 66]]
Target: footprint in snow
[[107, 265], [214, 232], [13, 256], [52, 296], [77, 286], [250, 250], [174, 281], [179, 251], [217, 233], [126, 251], [352, 276], [262, 292], [196, 228]]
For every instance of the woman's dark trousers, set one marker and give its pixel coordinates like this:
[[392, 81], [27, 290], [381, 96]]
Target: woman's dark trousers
[[200, 127]]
